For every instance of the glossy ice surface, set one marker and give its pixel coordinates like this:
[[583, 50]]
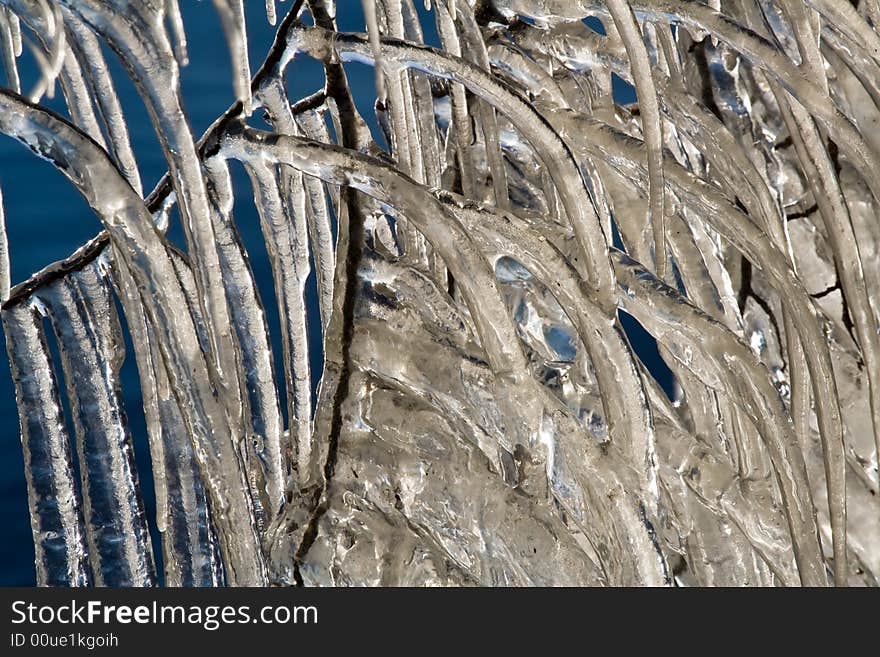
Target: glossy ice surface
[[482, 415]]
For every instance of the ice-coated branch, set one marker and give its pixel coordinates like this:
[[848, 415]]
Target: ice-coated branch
[[567, 335]]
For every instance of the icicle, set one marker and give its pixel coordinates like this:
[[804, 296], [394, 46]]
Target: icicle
[[494, 326], [190, 549], [475, 51], [172, 9], [91, 347], [45, 27], [46, 85], [553, 151], [749, 240], [8, 46], [51, 26], [15, 29], [5, 279], [133, 230], [88, 52], [369, 7], [462, 123], [232, 17], [282, 202], [285, 234], [320, 229], [56, 519], [263, 414], [157, 80]]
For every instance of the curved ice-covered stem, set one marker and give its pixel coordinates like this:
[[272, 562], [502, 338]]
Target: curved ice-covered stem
[[620, 384], [819, 169], [659, 309], [478, 288], [652, 128], [832, 206], [554, 152], [761, 53], [132, 229], [805, 26], [737, 172], [516, 393], [345, 167], [682, 327], [601, 141], [510, 62], [687, 115], [137, 34]]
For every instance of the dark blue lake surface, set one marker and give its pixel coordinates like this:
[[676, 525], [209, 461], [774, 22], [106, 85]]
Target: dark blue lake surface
[[46, 220]]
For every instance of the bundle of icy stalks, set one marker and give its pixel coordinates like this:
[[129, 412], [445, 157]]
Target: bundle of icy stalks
[[482, 417]]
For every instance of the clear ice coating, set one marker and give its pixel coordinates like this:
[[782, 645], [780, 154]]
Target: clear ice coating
[[491, 408]]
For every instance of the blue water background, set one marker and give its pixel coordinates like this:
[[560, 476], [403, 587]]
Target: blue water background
[[47, 220]]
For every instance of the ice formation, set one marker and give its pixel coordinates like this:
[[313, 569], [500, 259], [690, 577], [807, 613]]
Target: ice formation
[[483, 414]]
